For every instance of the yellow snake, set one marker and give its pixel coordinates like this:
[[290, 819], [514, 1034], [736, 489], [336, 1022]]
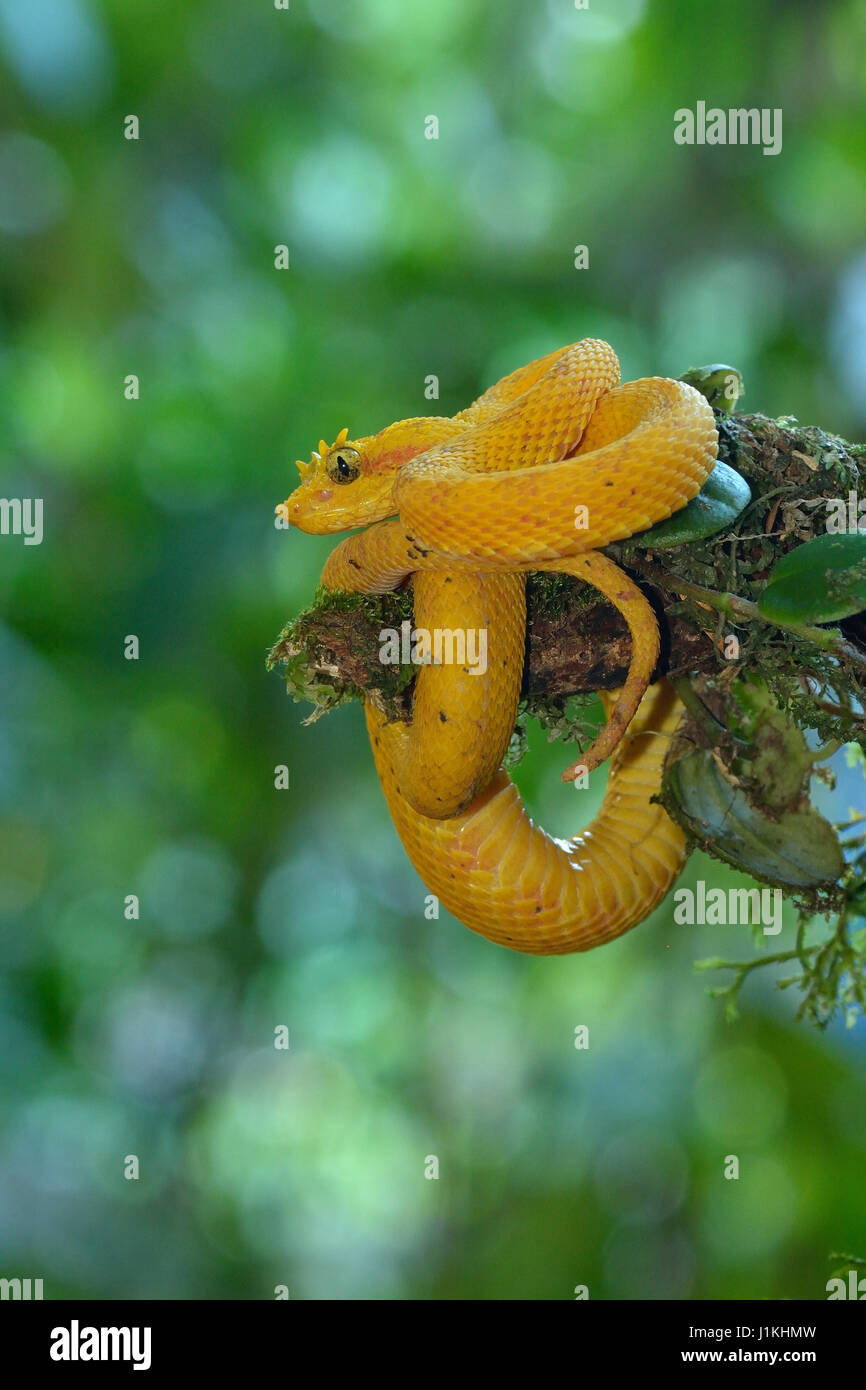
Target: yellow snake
[[553, 462]]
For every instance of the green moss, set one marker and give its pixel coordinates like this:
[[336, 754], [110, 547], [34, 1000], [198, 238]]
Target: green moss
[[337, 635]]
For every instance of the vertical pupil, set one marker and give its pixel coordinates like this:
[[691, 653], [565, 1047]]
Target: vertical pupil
[[343, 468]]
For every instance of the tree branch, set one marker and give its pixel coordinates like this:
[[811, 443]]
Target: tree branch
[[577, 643]]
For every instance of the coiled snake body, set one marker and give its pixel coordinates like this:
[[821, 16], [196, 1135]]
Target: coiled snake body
[[466, 506]]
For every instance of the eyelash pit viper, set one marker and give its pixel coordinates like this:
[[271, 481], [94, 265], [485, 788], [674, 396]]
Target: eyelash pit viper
[[465, 506]]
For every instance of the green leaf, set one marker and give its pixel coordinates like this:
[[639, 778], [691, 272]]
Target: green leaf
[[855, 757], [718, 504], [819, 582], [721, 384], [799, 848]]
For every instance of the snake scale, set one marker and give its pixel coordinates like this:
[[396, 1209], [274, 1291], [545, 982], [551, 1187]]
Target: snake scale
[[463, 507]]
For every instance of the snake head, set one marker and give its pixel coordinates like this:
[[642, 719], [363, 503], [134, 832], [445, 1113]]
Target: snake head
[[341, 487]]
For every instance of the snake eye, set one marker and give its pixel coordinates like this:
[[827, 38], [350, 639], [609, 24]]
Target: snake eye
[[344, 465]]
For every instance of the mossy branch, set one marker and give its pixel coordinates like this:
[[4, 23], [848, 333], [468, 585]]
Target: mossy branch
[[578, 644]]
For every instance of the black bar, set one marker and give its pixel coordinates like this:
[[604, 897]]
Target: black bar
[[220, 1338]]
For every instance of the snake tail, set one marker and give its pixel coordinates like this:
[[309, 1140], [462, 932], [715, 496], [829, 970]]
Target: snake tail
[[507, 879]]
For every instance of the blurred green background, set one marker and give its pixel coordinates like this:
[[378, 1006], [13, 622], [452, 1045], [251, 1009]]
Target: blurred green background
[[409, 256]]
